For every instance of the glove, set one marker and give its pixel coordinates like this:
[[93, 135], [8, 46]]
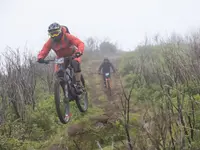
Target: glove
[[42, 61], [78, 54]]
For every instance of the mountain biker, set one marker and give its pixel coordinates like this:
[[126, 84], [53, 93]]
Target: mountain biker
[[64, 44], [105, 67]]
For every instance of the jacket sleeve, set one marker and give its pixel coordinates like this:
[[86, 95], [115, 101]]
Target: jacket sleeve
[[45, 50], [77, 42]]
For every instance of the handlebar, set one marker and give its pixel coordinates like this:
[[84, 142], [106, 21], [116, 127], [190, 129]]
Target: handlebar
[[104, 73], [50, 60]]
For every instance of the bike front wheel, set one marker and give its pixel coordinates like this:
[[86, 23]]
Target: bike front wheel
[[61, 101]]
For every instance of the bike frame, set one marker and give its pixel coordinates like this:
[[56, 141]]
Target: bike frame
[[68, 74], [107, 77], [67, 82]]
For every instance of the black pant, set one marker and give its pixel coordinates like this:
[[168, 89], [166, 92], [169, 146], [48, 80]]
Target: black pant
[[76, 65]]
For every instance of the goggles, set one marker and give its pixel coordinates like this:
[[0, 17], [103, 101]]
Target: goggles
[[55, 33]]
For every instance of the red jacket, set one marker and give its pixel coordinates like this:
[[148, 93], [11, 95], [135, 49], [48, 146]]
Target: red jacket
[[62, 48]]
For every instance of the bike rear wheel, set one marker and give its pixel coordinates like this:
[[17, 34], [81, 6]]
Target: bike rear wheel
[[61, 101], [82, 100]]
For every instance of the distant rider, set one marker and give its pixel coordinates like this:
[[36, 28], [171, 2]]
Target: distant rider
[[105, 67]]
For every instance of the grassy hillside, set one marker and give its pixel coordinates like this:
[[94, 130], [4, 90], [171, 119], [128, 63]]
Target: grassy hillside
[[29, 119], [155, 102], [165, 81]]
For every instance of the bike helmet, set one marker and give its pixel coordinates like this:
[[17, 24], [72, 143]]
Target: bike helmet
[[55, 31], [106, 59]]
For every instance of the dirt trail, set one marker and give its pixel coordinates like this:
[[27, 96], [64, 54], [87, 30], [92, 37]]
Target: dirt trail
[[98, 98], [99, 123], [98, 95]]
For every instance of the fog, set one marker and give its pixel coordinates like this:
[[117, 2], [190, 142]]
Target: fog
[[127, 22]]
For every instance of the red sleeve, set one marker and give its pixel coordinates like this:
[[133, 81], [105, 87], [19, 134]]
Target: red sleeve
[[76, 41], [45, 50]]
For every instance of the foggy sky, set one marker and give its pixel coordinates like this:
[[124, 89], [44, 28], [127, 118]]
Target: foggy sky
[[123, 21]]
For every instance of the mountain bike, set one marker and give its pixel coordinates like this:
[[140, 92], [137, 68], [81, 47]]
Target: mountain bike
[[65, 83], [108, 82]]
